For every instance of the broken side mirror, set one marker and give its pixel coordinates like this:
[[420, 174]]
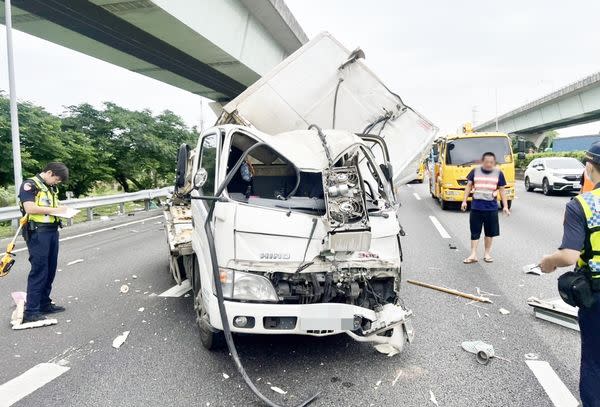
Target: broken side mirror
[[387, 171], [200, 178]]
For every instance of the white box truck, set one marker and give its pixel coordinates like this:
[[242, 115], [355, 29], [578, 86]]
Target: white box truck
[[291, 204]]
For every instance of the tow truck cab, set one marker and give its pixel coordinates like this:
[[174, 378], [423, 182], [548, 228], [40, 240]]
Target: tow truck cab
[[454, 156]]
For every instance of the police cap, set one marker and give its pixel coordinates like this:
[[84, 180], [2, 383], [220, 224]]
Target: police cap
[[593, 153]]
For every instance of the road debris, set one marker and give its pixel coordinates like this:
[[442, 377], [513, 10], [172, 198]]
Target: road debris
[[134, 276], [119, 340], [555, 310], [16, 319], [124, 289], [104, 218], [141, 309], [74, 262], [532, 269], [225, 376], [452, 246], [451, 291], [483, 351], [387, 349], [532, 356], [503, 311], [432, 398], [278, 390], [397, 377]]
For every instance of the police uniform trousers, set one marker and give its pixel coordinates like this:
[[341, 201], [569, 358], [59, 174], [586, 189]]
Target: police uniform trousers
[[589, 384], [43, 256]]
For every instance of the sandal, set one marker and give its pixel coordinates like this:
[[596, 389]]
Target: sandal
[[470, 261], [488, 259]]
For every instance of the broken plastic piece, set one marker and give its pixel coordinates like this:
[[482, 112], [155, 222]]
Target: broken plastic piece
[[432, 398], [124, 289], [278, 390], [225, 376], [532, 269], [119, 340], [74, 262], [504, 311]]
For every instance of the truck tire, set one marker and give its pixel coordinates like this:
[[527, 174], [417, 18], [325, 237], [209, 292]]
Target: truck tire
[[211, 338], [445, 205], [182, 159]]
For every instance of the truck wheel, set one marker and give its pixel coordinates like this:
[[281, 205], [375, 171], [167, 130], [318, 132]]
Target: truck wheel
[[210, 337], [445, 205]]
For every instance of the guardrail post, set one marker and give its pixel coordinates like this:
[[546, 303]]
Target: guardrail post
[[90, 213], [146, 204], [121, 208]]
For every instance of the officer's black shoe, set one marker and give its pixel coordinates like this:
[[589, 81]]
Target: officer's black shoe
[[33, 318], [53, 309]]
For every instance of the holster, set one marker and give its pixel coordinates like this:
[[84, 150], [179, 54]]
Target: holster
[[575, 289]]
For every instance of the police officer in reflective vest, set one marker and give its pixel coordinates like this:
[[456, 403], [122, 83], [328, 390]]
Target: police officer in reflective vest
[[581, 288], [39, 200]]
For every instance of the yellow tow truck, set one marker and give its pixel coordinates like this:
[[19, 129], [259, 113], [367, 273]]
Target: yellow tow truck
[[454, 156]]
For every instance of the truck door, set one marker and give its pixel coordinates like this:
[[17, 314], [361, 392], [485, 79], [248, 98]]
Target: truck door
[[206, 168]]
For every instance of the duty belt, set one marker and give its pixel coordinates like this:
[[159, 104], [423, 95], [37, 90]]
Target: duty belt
[[45, 226], [594, 282]]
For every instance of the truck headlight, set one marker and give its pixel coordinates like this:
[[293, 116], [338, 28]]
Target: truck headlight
[[238, 285]]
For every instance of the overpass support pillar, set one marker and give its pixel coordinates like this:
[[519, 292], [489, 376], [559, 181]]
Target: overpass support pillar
[[536, 139]]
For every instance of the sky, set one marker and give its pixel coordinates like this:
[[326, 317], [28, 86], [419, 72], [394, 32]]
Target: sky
[[447, 59]]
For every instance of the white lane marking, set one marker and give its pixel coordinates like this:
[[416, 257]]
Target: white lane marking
[[25, 384], [178, 290], [417, 197], [557, 391], [122, 225], [439, 227]]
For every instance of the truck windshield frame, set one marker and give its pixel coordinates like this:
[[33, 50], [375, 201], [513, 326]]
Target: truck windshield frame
[[468, 150]]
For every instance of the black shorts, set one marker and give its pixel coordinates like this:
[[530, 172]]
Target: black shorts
[[486, 219]]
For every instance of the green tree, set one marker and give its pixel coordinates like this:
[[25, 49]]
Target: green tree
[[139, 148]]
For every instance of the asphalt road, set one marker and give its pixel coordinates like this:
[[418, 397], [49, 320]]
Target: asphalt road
[[163, 363]]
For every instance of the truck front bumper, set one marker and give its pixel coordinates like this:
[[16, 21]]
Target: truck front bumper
[[458, 194], [314, 319]]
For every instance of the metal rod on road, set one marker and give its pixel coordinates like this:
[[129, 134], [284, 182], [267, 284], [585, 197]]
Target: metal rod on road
[[451, 291], [14, 117]]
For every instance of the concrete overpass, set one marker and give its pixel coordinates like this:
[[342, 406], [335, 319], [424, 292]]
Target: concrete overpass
[[576, 103], [213, 48]]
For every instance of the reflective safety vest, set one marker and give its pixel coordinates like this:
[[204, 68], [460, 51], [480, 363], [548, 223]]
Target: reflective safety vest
[[589, 260], [485, 185], [47, 197]]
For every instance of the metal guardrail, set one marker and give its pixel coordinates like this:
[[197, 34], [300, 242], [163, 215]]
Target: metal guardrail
[[13, 212]]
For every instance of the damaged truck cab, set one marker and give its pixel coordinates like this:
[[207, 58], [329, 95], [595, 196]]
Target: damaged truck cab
[[289, 205], [306, 236]]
